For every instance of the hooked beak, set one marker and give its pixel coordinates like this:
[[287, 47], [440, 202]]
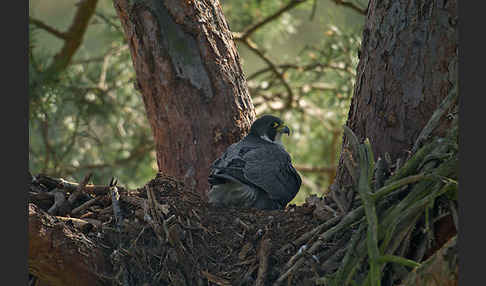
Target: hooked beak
[[284, 129]]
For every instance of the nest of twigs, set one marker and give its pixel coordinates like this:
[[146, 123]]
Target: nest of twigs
[[166, 234]]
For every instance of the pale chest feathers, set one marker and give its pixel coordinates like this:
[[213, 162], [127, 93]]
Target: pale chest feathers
[[278, 139]]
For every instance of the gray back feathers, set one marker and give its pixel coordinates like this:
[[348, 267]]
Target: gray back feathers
[[264, 168]]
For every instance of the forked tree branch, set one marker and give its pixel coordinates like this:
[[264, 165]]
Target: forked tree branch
[[244, 37], [73, 36], [250, 30], [254, 48], [47, 28]]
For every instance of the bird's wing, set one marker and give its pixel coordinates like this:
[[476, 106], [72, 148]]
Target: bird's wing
[[231, 164], [269, 167], [264, 166]]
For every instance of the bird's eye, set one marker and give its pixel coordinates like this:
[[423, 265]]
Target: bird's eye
[[275, 124]]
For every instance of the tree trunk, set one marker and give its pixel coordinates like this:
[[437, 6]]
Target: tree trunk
[[408, 65], [192, 84]]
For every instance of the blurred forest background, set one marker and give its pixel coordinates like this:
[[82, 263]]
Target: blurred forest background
[[88, 117]]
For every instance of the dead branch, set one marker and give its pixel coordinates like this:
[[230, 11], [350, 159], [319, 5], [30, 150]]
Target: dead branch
[[263, 253], [82, 224], [215, 279], [79, 190], [84, 206], [67, 186]]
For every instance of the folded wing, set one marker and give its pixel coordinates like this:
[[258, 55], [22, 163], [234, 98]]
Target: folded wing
[[260, 165]]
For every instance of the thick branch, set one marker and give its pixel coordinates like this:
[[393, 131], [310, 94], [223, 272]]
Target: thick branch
[[60, 255], [70, 186], [263, 254]]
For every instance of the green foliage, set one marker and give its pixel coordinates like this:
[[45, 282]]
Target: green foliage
[[89, 117]]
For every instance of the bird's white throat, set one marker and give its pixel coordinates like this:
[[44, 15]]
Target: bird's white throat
[[278, 139]]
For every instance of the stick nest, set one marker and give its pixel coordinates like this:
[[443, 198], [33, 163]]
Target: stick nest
[[166, 234]]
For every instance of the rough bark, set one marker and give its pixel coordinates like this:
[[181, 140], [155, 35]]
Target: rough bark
[[61, 254], [407, 68], [408, 65], [192, 84]]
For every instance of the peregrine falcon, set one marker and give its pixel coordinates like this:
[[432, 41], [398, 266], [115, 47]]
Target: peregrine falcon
[[255, 172]]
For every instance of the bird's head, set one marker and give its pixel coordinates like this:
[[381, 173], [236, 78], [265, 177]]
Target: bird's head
[[269, 128]]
